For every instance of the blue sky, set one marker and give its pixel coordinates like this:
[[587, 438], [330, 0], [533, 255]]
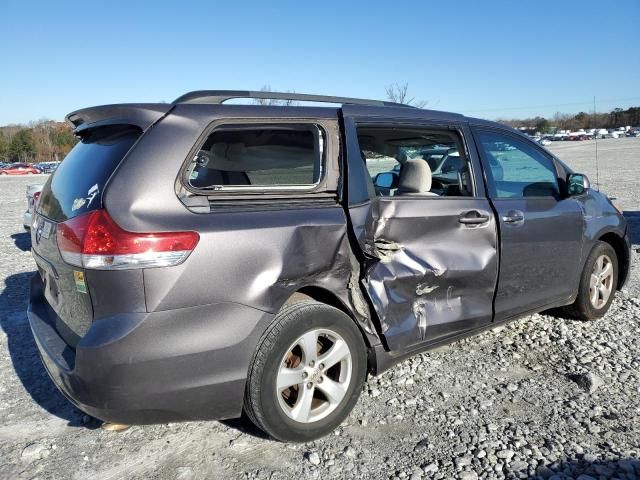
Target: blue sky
[[486, 58]]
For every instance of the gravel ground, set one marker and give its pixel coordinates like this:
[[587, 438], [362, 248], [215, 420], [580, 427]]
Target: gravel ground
[[541, 398]]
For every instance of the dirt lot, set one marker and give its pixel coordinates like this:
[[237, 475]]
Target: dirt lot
[[500, 405]]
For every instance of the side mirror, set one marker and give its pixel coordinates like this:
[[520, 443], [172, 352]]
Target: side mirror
[[577, 183], [385, 180]]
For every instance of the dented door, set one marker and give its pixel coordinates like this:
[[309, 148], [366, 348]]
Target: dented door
[[428, 271], [434, 275]]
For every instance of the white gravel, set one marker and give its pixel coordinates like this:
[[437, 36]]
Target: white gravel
[[541, 398]]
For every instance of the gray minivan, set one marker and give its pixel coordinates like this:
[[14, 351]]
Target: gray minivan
[[200, 259]]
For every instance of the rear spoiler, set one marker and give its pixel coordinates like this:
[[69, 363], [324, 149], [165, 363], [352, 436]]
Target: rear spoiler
[[141, 115]]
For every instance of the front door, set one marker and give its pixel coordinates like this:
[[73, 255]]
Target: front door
[[540, 230], [426, 230]]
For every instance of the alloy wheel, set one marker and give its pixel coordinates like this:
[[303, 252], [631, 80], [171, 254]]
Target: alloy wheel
[[314, 375], [601, 281]]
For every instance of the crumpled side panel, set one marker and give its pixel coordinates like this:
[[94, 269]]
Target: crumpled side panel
[[260, 259], [434, 276]]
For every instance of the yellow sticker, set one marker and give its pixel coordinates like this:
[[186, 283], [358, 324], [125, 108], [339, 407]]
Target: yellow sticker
[[81, 286]]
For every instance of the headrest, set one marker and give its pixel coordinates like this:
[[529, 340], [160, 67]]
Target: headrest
[[415, 177]]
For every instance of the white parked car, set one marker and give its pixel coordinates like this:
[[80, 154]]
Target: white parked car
[[33, 194]]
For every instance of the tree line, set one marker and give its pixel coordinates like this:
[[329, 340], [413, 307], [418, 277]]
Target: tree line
[[562, 121], [41, 141]]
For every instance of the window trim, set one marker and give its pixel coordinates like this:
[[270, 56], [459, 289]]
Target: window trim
[[321, 136], [491, 188], [456, 132]]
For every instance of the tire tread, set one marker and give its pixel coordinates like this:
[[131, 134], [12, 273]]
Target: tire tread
[[288, 314]]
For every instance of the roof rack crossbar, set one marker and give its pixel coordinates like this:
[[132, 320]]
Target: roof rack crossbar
[[221, 96]]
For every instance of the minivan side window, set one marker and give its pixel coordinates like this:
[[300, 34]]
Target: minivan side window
[[516, 169], [258, 157], [415, 162]]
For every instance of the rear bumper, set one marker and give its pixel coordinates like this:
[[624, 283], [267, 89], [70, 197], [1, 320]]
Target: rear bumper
[[137, 368]]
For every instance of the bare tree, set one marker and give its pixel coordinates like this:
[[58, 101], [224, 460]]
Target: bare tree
[[273, 101], [42, 134], [400, 94]]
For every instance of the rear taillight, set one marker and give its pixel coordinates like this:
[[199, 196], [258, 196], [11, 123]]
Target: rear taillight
[[36, 197], [95, 241]]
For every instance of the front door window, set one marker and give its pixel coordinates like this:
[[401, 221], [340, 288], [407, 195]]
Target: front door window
[[517, 169]]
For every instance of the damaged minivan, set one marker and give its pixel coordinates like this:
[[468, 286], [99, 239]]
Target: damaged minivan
[[205, 259]]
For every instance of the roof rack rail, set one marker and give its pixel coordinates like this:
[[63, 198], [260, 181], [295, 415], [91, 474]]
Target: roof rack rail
[[221, 96]]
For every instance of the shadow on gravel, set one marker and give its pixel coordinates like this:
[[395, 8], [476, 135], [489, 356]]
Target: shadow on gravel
[[244, 425], [633, 218], [22, 241], [24, 353], [582, 467]]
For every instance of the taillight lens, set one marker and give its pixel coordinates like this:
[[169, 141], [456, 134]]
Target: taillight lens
[[95, 241]]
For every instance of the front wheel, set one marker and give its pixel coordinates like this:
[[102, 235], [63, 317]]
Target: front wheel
[[307, 372], [598, 283]]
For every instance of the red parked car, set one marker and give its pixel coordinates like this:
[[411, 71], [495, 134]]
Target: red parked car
[[19, 169]]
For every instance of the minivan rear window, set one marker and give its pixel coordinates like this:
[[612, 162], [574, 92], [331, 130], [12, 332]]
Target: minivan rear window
[[76, 186]]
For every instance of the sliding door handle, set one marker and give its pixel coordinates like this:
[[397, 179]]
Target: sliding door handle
[[474, 217]]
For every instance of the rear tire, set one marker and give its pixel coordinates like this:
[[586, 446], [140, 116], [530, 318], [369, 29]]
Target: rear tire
[[598, 284], [297, 394]]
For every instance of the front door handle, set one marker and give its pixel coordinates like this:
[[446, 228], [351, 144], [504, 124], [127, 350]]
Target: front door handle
[[474, 217], [514, 217]]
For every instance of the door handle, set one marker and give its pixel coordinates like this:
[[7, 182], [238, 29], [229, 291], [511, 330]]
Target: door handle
[[473, 217], [514, 217]]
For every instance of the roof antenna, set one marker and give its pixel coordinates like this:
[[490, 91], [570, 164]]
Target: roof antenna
[[596, 138]]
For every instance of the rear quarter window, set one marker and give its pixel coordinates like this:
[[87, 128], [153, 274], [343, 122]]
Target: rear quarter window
[[258, 157], [77, 184]]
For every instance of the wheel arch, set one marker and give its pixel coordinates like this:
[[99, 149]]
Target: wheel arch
[[619, 246], [326, 296]]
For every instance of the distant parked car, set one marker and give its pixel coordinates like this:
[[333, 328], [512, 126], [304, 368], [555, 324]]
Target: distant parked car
[[33, 195], [544, 141], [47, 167], [19, 169]]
